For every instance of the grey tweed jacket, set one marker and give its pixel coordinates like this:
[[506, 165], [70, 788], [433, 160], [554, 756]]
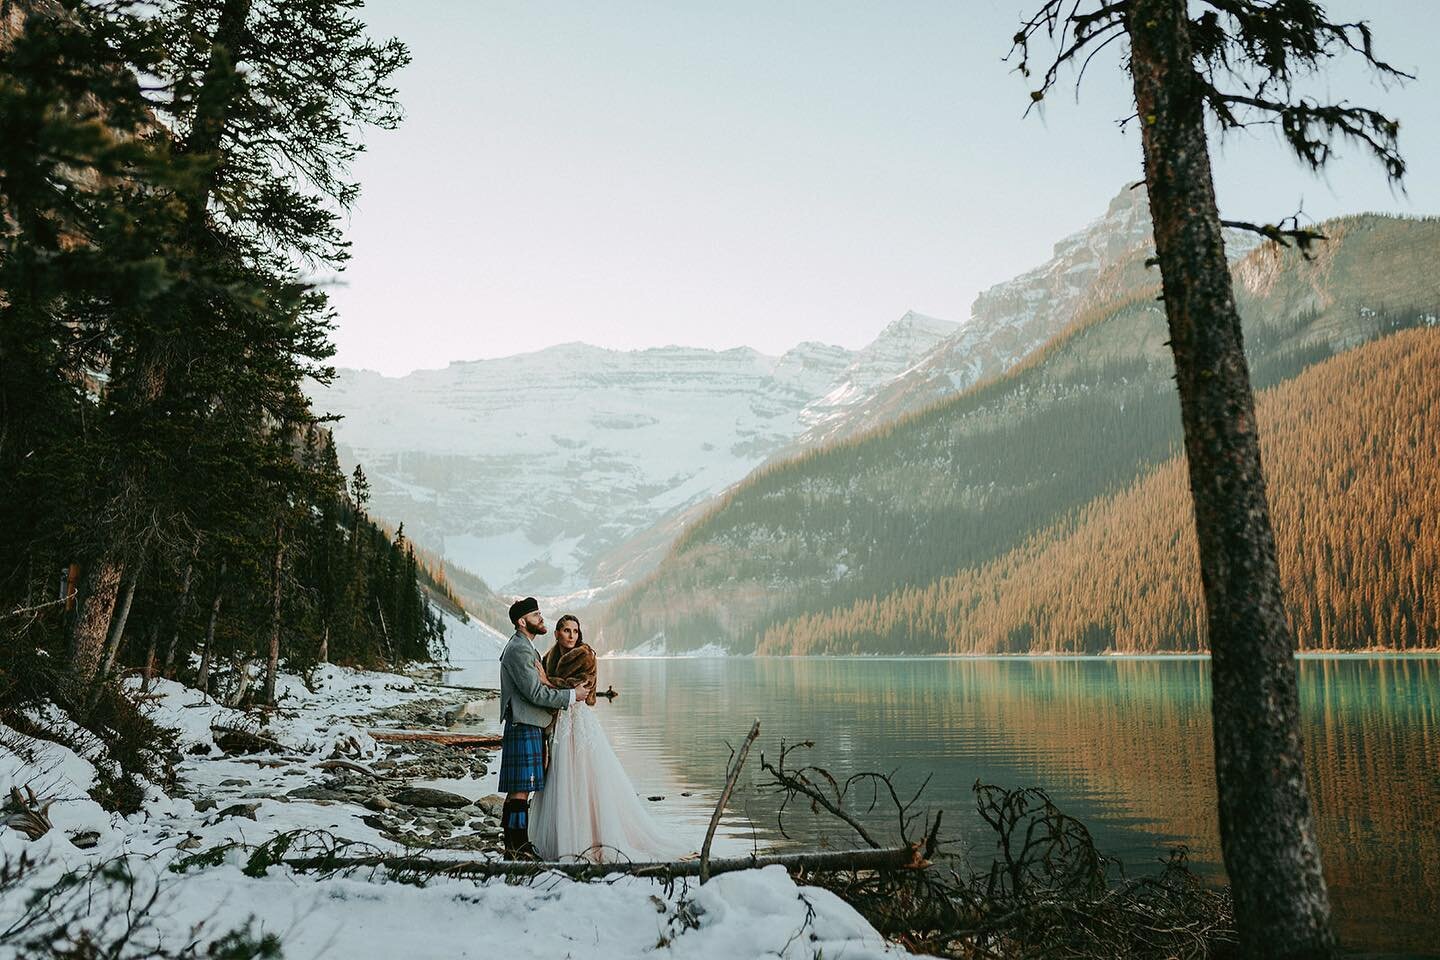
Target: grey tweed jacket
[[523, 697]]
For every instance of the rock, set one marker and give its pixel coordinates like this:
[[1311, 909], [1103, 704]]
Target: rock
[[205, 803], [189, 843], [654, 798], [238, 810], [315, 792], [494, 805], [85, 839], [379, 802], [430, 797], [235, 782], [374, 822], [232, 740]]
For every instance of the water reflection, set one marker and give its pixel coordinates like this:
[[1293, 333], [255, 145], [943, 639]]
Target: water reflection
[[1123, 743]]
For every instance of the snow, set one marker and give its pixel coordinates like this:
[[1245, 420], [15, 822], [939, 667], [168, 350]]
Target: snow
[[472, 640], [529, 478], [757, 913], [655, 648]]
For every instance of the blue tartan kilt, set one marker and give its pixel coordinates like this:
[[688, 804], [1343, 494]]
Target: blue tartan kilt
[[522, 758]]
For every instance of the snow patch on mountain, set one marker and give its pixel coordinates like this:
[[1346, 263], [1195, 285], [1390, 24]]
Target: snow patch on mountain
[[526, 469]]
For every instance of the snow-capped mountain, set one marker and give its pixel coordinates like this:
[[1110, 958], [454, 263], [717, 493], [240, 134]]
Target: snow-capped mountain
[[526, 469], [892, 353], [1088, 269]]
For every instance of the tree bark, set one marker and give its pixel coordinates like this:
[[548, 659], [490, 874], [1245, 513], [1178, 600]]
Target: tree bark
[[272, 663], [202, 677], [324, 656], [92, 622], [1267, 834]]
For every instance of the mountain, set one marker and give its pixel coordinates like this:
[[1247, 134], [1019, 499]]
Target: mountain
[[918, 360], [1354, 483], [526, 470], [975, 475], [1095, 265]]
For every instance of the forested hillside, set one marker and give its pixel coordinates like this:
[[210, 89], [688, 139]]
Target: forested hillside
[[169, 500], [973, 477], [1353, 464]]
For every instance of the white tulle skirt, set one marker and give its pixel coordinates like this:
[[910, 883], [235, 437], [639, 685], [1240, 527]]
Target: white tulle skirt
[[589, 808]]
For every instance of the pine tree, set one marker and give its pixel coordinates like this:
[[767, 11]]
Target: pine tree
[[1238, 62]]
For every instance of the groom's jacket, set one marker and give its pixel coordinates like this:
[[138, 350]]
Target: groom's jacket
[[523, 698]]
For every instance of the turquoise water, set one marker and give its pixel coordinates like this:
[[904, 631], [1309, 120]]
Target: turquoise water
[[1122, 743]]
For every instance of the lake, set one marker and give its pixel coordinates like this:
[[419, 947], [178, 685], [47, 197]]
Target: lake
[[1122, 743]]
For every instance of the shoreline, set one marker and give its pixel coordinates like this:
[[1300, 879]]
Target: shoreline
[[307, 780], [1365, 654]]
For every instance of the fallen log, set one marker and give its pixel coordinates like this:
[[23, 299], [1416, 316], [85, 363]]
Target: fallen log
[[487, 741], [907, 857]]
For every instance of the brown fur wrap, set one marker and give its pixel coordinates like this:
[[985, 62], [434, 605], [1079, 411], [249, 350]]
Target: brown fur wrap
[[570, 668]]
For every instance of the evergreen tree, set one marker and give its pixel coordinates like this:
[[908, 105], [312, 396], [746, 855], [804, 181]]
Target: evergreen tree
[[1237, 61]]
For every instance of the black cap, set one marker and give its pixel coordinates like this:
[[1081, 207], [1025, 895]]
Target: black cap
[[519, 608]]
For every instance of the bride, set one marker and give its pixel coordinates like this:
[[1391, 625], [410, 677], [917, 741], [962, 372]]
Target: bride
[[588, 808]]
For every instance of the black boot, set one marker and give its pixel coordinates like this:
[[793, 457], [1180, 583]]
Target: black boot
[[515, 819]]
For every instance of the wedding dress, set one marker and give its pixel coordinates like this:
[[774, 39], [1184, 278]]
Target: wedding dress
[[589, 807]]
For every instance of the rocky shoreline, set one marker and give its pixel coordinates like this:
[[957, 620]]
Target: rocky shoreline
[[403, 808], [402, 787]]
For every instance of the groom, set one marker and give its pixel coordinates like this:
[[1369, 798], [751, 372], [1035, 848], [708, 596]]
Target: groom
[[526, 705]]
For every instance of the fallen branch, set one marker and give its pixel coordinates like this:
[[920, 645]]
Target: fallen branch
[[485, 741], [832, 861], [31, 816], [732, 775]]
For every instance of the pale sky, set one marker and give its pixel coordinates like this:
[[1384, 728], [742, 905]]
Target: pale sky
[[746, 172]]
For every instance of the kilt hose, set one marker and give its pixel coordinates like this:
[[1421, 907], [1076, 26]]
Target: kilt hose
[[522, 758]]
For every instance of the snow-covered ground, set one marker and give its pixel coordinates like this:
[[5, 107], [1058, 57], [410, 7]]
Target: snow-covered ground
[[750, 914]]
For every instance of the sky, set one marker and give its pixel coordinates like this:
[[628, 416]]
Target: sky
[[752, 173]]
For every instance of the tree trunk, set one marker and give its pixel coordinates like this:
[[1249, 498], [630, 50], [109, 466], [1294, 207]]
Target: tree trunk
[[117, 628], [92, 622], [272, 664], [169, 667], [909, 857], [154, 637], [202, 678], [384, 631], [1267, 835], [324, 656]]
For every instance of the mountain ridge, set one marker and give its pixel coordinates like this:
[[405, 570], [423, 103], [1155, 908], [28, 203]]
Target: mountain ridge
[[974, 473]]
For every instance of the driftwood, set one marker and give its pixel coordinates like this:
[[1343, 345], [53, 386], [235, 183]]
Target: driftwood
[[732, 775], [833, 861], [487, 741], [31, 815]]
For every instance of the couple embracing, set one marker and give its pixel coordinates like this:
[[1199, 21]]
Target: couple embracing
[[581, 803]]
